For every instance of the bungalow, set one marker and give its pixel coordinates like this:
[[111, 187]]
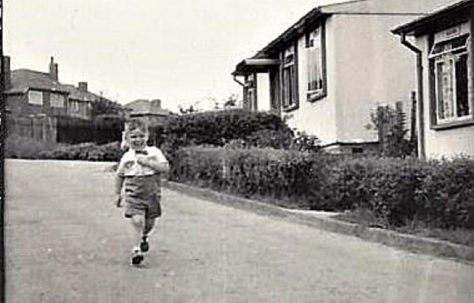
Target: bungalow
[[330, 70], [444, 50], [30, 92]]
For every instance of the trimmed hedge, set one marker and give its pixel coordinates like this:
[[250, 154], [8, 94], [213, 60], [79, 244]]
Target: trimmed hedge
[[291, 176], [85, 151], [218, 128], [437, 193]]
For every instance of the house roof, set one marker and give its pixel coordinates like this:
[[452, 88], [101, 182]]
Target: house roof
[[433, 20], [320, 13], [23, 79], [76, 94], [146, 107]]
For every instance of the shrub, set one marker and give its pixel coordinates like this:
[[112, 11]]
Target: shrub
[[278, 174], [219, 127], [86, 152], [396, 192], [447, 193]]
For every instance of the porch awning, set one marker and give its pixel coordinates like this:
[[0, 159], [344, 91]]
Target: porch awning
[[255, 65]]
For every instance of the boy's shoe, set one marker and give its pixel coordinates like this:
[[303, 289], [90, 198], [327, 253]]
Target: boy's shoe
[[144, 246], [137, 256]]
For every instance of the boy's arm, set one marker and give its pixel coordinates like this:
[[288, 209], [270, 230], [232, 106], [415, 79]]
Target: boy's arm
[[118, 189], [155, 160], [154, 163]]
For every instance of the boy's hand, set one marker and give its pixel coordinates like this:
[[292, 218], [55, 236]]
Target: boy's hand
[[118, 201], [144, 160]]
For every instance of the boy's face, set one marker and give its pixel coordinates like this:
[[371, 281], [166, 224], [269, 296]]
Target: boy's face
[[137, 139]]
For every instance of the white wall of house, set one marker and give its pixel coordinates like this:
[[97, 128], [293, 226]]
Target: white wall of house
[[366, 67], [371, 69], [316, 118], [448, 142], [263, 92]]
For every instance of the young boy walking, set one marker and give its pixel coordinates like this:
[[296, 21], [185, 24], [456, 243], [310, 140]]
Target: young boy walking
[[138, 185]]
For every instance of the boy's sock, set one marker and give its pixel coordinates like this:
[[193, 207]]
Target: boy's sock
[[144, 245]]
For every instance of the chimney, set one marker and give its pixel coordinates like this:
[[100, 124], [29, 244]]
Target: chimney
[[156, 103], [6, 71], [82, 86], [53, 70]]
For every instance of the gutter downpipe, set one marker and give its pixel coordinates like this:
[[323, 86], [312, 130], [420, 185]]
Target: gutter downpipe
[[236, 80], [421, 115], [244, 93]]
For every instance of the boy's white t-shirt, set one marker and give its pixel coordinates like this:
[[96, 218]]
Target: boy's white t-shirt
[[129, 166]]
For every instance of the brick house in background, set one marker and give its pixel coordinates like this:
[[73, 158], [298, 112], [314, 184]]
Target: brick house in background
[[38, 106], [326, 73], [30, 92]]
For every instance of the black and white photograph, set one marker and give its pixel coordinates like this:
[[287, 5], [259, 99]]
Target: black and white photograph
[[250, 151]]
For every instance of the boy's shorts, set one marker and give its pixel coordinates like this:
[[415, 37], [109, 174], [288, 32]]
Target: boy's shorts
[[142, 196]]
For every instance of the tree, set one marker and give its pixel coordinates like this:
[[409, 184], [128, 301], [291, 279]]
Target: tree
[[230, 102], [105, 107], [391, 126]]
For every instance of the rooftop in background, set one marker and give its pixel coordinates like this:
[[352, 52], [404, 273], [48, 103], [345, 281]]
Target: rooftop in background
[[147, 107], [20, 80], [431, 21]]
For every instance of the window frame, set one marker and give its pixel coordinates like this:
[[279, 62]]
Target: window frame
[[55, 104], [37, 92], [435, 58], [316, 94], [292, 67]]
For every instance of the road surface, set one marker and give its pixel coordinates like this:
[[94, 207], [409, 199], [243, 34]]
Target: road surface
[[66, 242]]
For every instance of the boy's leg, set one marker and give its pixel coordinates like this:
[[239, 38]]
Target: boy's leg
[[148, 227], [138, 225]]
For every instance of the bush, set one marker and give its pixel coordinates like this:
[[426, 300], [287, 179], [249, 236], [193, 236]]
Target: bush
[[220, 127], [395, 192], [277, 174], [86, 152]]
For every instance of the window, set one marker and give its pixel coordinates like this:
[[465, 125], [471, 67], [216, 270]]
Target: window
[[56, 100], [450, 68], [289, 85], [315, 68], [35, 97], [74, 106]]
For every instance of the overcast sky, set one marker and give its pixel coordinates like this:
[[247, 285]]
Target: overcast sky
[[178, 51]]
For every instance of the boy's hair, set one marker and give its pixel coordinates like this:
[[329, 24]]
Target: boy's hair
[[135, 123]]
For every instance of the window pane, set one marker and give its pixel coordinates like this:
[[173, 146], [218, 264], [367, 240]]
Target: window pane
[[56, 100], [445, 88], [293, 91], [439, 90], [462, 102], [286, 87], [315, 74], [35, 97]]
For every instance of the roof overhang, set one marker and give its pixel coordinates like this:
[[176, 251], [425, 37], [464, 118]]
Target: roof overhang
[[445, 17], [267, 57], [255, 65], [308, 22]]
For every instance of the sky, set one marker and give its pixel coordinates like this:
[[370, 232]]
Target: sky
[[181, 52]]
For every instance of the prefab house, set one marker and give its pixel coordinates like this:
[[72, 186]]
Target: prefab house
[[444, 51], [333, 67]]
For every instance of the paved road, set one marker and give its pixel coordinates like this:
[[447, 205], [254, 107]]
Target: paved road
[[65, 242]]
